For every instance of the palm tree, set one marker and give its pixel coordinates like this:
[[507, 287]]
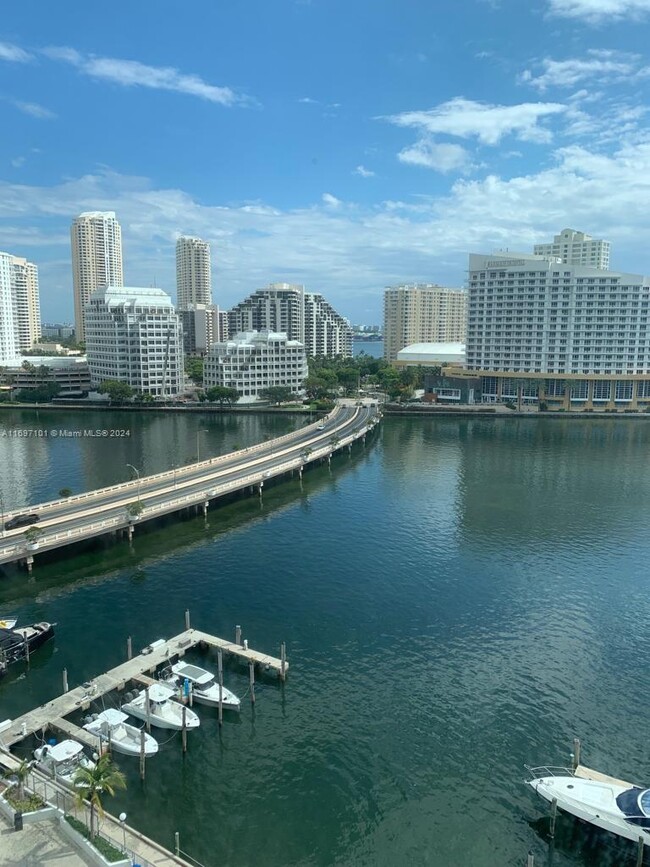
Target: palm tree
[[90, 783], [19, 776]]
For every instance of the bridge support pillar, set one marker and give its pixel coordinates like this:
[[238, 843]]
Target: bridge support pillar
[[205, 507], [29, 562], [300, 472], [259, 488], [129, 531]]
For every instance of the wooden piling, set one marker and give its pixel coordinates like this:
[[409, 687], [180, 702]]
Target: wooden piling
[[251, 677], [238, 635], [576, 753], [147, 709], [26, 648], [184, 729], [553, 818], [187, 619], [129, 648], [639, 853], [190, 695], [177, 844], [109, 744], [65, 680], [220, 673], [530, 861], [142, 754], [283, 660]]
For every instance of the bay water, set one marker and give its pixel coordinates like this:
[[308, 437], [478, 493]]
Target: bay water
[[460, 597]]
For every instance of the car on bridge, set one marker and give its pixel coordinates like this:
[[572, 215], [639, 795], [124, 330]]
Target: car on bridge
[[21, 521]]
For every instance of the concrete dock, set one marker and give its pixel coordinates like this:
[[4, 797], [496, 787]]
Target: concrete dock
[[80, 698]]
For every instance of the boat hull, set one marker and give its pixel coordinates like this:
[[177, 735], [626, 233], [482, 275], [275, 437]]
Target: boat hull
[[14, 643], [591, 801], [129, 746], [161, 722]]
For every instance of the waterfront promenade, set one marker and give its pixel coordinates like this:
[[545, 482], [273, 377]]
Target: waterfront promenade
[[95, 513]]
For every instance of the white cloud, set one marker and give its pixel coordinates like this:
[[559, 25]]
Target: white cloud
[[598, 66], [441, 156], [13, 53], [599, 11], [132, 73], [348, 251], [331, 201], [307, 100], [363, 172], [465, 118], [33, 109], [17, 162]]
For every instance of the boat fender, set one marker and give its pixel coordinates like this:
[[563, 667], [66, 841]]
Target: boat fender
[[52, 742]]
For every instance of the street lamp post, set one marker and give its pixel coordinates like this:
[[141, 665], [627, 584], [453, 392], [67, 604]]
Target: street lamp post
[[123, 824], [198, 454], [2, 513], [137, 472]]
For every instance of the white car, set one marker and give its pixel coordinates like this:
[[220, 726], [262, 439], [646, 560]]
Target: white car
[[321, 426]]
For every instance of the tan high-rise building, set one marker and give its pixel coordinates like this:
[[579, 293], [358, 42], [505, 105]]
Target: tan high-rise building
[[422, 313], [96, 239], [193, 273], [27, 306]]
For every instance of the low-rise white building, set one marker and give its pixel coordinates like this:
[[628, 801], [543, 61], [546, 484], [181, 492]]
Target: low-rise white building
[[133, 335], [254, 360], [70, 373]]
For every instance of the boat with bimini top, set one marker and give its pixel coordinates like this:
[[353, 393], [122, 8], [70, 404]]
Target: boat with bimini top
[[203, 684]]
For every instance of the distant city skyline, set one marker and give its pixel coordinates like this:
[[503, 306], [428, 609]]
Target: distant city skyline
[[441, 129]]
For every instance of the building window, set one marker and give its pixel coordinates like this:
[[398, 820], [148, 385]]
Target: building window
[[623, 390], [602, 391]]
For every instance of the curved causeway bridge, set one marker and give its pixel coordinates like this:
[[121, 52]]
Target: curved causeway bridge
[[80, 517]]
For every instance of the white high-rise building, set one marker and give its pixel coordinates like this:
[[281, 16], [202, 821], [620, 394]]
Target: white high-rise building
[[203, 325], [96, 240], [576, 248], [193, 273], [7, 319], [303, 316], [134, 335], [536, 314], [422, 313], [27, 306], [252, 361]]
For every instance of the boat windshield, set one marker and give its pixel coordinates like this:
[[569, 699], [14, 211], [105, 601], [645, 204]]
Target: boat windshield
[[204, 686], [644, 802]]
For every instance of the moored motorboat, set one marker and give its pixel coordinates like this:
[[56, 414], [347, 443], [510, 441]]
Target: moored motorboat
[[62, 761], [111, 728], [613, 805], [16, 644], [163, 711], [203, 684]]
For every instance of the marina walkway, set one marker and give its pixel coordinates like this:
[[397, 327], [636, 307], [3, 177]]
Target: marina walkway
[[53, 712]]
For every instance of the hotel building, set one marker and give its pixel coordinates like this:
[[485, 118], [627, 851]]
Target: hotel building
[[576, 248], [252, 361], [96, 241], [134, 335], [572, 336], [303, 316], [422, 313]]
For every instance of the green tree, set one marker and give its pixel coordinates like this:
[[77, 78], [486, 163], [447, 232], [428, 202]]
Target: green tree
[[194, 368], [222, 394], [277, 394], [117, 391], [91, 783], [19, 776], [134, 510], [317, 388], [41, 394]]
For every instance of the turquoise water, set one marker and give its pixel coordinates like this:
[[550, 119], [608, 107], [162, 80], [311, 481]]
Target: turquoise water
[[460, 598]]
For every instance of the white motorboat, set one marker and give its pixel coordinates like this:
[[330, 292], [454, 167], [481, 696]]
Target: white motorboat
[[62, 761], [205, 688], [163, 711], [110, 726], [613, 805]]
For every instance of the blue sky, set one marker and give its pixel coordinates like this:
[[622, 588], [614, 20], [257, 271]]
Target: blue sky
[[343, 145]]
